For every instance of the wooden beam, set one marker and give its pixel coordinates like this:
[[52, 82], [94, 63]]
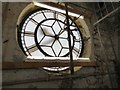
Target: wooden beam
[[77, 10], [29, 65]]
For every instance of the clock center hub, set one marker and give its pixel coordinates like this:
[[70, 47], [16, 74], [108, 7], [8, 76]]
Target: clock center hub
[[56, 37]]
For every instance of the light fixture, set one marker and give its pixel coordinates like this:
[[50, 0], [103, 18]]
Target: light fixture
[[57, 9]]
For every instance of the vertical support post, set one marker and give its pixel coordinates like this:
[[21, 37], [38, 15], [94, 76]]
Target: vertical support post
[[69, 42]]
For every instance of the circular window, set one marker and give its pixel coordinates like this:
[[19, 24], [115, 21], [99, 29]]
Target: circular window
[[43, 33]]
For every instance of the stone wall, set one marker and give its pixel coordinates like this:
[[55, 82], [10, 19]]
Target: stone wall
[[103, 76]]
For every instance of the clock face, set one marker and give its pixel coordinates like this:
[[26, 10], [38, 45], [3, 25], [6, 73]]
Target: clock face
[[43, 33]]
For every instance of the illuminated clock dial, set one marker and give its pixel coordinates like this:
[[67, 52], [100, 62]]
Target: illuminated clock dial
[[43, 33]]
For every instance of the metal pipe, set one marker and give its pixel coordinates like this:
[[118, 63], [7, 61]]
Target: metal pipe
[[112, 4], [69, 42], [100, 10], [105, 7], [114, 11], [106, 55], [102, 48], [79, 6]]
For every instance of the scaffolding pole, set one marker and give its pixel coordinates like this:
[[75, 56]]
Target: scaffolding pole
[[109, 14]]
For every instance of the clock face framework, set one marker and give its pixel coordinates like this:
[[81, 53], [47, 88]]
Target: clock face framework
[[43, 33]]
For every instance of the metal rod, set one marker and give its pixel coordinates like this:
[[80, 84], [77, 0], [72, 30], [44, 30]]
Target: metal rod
[[69, 42], [106, 55], [79, 6], [114, 11], [100, 10], [102, 48], [116, 61], [112, 4], [105, 7]]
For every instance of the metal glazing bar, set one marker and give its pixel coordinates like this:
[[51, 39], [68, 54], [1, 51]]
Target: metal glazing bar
[[69, 42]]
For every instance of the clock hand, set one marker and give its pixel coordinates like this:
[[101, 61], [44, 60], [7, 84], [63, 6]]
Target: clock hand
[[60, 32], [48, 37], [46, 31], [47, 41]]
